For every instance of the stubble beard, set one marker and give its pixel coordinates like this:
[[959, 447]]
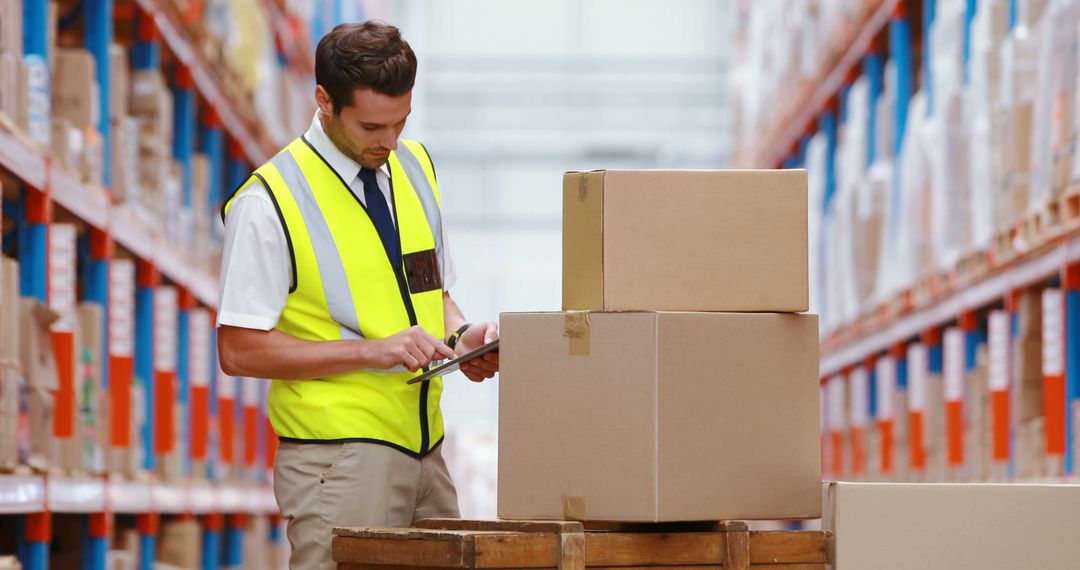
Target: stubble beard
[[336, 133]]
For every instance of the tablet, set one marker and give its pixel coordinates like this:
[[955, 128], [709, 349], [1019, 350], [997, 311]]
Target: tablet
[[449, 366]]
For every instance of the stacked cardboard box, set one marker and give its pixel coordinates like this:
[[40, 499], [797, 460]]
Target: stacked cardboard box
[[654, 415], [75, 114], [13, 72], [10, 373], [158, 177]]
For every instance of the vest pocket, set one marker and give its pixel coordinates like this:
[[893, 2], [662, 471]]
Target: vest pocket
[[422, 271]]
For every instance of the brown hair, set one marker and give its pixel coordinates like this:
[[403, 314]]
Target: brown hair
[[370, 55]]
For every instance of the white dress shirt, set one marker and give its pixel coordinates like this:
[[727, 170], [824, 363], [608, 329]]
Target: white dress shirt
[[256, 270]]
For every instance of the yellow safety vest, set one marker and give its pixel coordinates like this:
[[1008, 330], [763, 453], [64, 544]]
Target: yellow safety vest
[[344, 287]]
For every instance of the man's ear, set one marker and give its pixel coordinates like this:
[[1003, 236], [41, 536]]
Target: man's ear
[[323, 100]]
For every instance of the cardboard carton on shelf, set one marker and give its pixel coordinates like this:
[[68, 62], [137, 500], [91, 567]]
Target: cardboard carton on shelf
[[68, 146], [11, 26], [75, 89], [181, 544], [685, 240], [39, 367], [659, 416], [124, 159], [885, 525], [119, 82], [92, 400]]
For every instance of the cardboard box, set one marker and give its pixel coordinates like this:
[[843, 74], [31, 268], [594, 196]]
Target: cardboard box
[[92, 399], [125, 159], [10, 329], [119, 82], [685, 240], [9, 76], [181, 544], [68, 145], [659, 416], [9, 417], [75, 89], [887, 526]]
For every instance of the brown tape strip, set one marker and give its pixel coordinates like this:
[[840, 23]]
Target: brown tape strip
[[573, 508], [582, 187], [576, 329]]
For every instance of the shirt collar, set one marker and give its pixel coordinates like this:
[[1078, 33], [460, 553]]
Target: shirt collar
[[344, 166]]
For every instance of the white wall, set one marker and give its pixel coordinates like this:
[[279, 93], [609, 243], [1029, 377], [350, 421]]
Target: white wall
[[511, 94]]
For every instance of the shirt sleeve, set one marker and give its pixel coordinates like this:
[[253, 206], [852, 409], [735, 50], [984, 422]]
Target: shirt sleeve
[[255, 269]]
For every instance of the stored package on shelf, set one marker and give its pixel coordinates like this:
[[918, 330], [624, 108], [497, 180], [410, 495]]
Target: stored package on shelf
[[75, 91], [39, 369], [10, 375], [93, 401]]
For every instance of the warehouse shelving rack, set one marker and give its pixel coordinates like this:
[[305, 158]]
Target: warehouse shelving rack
[[233, 144], [963, 302]]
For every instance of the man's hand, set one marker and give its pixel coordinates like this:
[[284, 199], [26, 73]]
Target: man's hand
[[413, 348], [484, 367]]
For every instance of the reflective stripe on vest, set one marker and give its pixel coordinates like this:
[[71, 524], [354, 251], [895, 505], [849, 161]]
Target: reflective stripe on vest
[[346, 288]]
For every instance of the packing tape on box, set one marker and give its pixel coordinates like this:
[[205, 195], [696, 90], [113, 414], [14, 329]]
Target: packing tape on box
[[576, 329], [573, 508], [582, 187]]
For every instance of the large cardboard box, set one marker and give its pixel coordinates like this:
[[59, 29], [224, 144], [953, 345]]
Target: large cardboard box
[[659, 416], [181, 544], [685, 240], [887, 526], [75, 89]]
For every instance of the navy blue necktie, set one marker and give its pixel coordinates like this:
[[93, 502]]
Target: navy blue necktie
[[380, 216]]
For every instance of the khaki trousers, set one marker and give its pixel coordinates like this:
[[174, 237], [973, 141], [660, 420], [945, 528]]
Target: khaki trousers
[[322, 486]]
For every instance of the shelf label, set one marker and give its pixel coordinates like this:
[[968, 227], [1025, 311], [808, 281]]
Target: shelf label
[[122, 307], [954, 364], [61, 266], [885, 376], [165, 318], [998, 350], [199, 352], [1053, 332], [860, 396], [917, 372]]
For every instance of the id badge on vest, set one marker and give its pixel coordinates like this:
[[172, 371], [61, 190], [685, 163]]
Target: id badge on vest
[[422, 271]]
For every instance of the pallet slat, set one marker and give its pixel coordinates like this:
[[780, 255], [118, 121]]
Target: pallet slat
[[563, 545]]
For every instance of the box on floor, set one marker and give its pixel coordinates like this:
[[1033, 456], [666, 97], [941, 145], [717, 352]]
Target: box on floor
[[659, 416], [889, 526]]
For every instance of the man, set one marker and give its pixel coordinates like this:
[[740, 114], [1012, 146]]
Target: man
[[334, 284]]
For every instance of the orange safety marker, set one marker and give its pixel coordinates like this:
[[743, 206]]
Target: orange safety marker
[[226, 387], [836, 414], [62, 300], [885, 376], [166, 307], [1053, 368], [121, 348], [918, 363], [199, 332], [250, 398], [999, 371], [955, 375]]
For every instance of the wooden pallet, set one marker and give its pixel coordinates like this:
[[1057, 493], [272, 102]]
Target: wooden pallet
[[444, 543]]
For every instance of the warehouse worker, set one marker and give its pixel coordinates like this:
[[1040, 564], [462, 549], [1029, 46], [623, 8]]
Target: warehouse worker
[[334, 283]]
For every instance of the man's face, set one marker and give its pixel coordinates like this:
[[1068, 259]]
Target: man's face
[[367, 130]]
